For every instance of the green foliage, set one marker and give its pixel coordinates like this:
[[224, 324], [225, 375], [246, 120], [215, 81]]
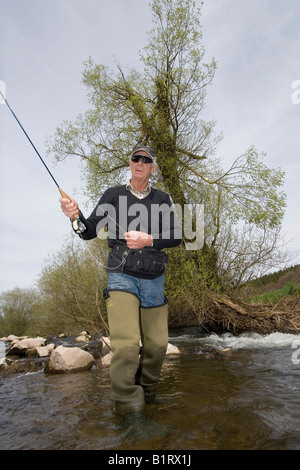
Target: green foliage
[[190, 276], [71, 286], [68, 296], [161, 107], [274, 296], [254, 191], [18, 308]]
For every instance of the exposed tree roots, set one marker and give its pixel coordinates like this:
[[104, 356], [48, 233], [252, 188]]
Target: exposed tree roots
[[240, 317], [222, 314]]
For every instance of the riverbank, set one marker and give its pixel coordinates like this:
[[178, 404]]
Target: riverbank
[[239, 316]]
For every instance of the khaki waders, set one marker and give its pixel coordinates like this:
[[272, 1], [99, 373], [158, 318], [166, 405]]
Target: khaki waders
[[134, 371]]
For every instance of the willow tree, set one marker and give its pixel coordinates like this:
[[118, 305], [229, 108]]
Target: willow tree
[[163, 106]]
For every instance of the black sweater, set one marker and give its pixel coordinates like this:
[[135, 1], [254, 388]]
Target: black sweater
[[120, 211]]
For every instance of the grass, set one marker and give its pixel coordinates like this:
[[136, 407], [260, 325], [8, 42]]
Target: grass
[[273, 296]]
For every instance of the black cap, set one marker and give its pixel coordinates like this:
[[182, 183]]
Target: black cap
[[148, 150]]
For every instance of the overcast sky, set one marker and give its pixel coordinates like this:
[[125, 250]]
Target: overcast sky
[[43, 44]]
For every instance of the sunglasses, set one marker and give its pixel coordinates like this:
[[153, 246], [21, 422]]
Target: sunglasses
[[136, 158]]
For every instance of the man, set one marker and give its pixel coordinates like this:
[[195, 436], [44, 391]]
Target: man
[[136, 305]]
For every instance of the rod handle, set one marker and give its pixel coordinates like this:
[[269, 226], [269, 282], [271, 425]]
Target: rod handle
[[65, 195]]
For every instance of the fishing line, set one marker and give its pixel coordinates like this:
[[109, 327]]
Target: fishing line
[[34, 147], [63, 194]]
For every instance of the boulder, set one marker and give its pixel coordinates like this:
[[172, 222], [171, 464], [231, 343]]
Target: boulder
[[106, 360], [20, 347], [45, 351], [14, 338], [17, 366], [105, 342], [171, 349], [94, 347], [64, 359], [83, 337]]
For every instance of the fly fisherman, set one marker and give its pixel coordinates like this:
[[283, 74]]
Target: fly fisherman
[[136, 304]]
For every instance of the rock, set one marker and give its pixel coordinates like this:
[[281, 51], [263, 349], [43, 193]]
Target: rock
[[45, 351], [85, 333], [106, 360], [20, 347], [105, 345], [209, 355], [94, 347], [83, 337], [12, 338], [65, 359], [31, 352], [225, 352], [171, 349], [18, 366]]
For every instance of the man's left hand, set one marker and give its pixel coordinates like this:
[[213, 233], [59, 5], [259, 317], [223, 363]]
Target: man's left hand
[[136, 240]]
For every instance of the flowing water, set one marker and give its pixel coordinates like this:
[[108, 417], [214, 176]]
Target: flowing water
[[246, 399]]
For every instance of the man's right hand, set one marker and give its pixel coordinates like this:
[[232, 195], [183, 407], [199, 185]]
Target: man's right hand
[[69, 207]]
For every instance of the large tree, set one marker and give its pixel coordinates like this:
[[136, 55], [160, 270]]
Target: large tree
[[162, 106]]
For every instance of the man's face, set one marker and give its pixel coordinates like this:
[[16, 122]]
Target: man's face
[[142, 171]]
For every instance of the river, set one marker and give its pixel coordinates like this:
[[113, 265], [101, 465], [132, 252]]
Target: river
[[246, 399]]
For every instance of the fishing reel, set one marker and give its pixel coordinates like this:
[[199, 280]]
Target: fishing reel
[[78, 225]]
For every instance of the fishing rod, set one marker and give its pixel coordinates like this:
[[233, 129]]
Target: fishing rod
[[62, 193]]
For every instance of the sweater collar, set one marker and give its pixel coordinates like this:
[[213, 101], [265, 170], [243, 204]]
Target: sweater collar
[[139, 194]]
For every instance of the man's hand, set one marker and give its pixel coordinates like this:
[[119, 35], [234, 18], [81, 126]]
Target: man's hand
[[136, 240], [69, 207]]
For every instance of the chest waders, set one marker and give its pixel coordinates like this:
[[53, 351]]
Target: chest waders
[[135, 371]]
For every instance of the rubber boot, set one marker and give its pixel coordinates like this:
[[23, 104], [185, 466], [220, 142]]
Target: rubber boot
[[123, 311], [137, 427], [154, 325]]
